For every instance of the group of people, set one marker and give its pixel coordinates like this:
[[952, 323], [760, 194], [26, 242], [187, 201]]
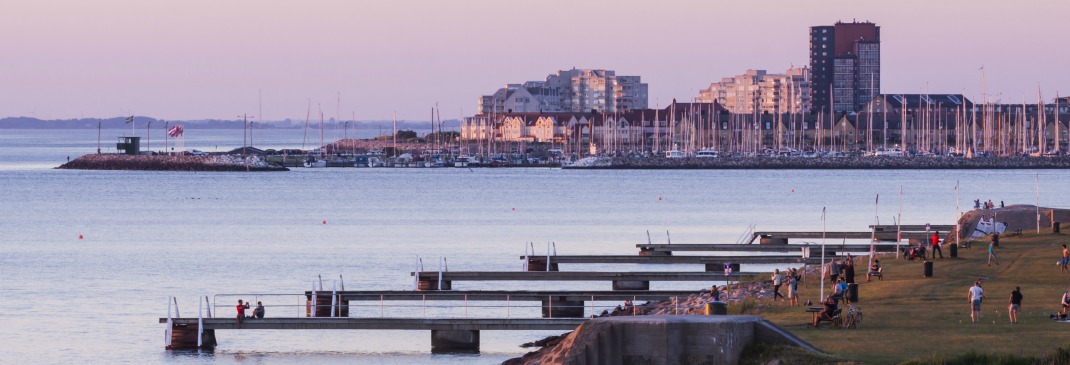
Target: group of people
[[978, 204], [258, 312], [792, 280]]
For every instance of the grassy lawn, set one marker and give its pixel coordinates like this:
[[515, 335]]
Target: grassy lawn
[[910, 317]]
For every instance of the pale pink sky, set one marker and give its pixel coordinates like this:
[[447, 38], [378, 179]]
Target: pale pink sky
[[208, 59]]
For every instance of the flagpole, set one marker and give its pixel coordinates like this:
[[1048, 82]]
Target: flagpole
[[899, 224], [1038, 203], [958, 214], [873, 232], [822, 296]]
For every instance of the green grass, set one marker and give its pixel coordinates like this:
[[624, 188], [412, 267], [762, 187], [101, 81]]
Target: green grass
[[909, 317]]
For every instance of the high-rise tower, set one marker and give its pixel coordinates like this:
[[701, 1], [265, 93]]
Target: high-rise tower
[[845, 59]]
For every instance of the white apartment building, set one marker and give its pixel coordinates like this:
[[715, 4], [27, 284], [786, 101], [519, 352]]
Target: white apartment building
[[758, 90], [575, 91]]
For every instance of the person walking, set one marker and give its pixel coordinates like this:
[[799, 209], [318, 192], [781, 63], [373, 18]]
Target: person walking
[[1065, 259], [992, 252], [1015, 306], [936, 245], [777, 281], [834, 270], [975, 295]]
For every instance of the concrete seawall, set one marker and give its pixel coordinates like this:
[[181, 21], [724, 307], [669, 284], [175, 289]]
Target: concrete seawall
[[664, 339]]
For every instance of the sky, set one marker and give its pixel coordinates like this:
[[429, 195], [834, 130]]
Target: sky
[[210, 59]]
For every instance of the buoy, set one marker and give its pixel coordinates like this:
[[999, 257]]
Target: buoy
[[514, 209], [659, 198], [324, 222], [80, 237], [793, 190]]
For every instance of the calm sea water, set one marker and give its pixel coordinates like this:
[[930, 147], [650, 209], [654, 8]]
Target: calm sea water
[[150, 235]]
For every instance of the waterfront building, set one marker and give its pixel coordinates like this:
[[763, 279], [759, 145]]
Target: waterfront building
[[845, 61], [762, 92], [572, 91]]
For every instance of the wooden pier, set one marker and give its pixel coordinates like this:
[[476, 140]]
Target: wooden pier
[[771, 237], [434, 280], [660, 249], [712, 263], [555, 304], [450, 335]]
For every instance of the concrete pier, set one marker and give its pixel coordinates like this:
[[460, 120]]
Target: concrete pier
[[454, 341]]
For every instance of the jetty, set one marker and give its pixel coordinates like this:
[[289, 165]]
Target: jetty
[[634, 280], [712, 263], [804, 250]]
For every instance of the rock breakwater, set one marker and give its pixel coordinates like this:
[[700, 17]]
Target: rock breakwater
[[170, 163]]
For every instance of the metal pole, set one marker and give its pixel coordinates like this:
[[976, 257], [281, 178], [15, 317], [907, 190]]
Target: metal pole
[[200, 322], [440, 273], [899, 224], [382, 308], [822, 295], [416, 278], [167, 333], [1038, 203], [334, 298], [958, 214], [315, 300]]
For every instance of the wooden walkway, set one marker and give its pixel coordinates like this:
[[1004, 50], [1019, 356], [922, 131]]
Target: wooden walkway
[[574, 276], [636, 259], [861, 235], [789, 248], [504, 295]]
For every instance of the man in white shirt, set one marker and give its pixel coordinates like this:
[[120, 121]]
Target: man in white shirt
[[975, 295]]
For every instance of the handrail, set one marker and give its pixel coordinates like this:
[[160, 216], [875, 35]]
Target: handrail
[[747, 235]]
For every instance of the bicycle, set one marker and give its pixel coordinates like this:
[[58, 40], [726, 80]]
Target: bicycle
[[853, 317]]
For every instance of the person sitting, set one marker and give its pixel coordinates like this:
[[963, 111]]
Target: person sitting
[[830, 311], [259, 311], [1065, 305], [840, 289], [875, 270]]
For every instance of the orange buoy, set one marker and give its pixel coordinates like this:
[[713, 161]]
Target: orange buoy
[[324, 222], [793, 190], [514, 209], [659, 198], [80, 237]]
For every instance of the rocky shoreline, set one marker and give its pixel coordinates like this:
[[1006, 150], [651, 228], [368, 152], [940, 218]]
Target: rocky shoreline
[[848, 163], [169, 163]]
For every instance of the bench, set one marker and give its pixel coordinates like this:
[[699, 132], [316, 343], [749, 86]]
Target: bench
[[816, 312]]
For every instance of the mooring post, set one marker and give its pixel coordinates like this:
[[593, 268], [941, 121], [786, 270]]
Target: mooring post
[[321, 281], [341, 283], [440, 273]]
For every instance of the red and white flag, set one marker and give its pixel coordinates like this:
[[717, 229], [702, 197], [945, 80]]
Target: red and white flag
[[175, 131]]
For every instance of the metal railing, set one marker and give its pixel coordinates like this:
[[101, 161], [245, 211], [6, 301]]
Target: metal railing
[[424, 305]]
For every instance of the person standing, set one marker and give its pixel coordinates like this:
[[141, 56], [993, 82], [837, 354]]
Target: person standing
[[1016, 305], [241, 312], [849, 271], [777, 281], [992, 252], [975, 295], [834, 271], [1065, 259], [793, 289], [936, 245]]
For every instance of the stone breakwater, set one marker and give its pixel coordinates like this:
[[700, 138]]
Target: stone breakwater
[[169, 163], [860, 163]]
